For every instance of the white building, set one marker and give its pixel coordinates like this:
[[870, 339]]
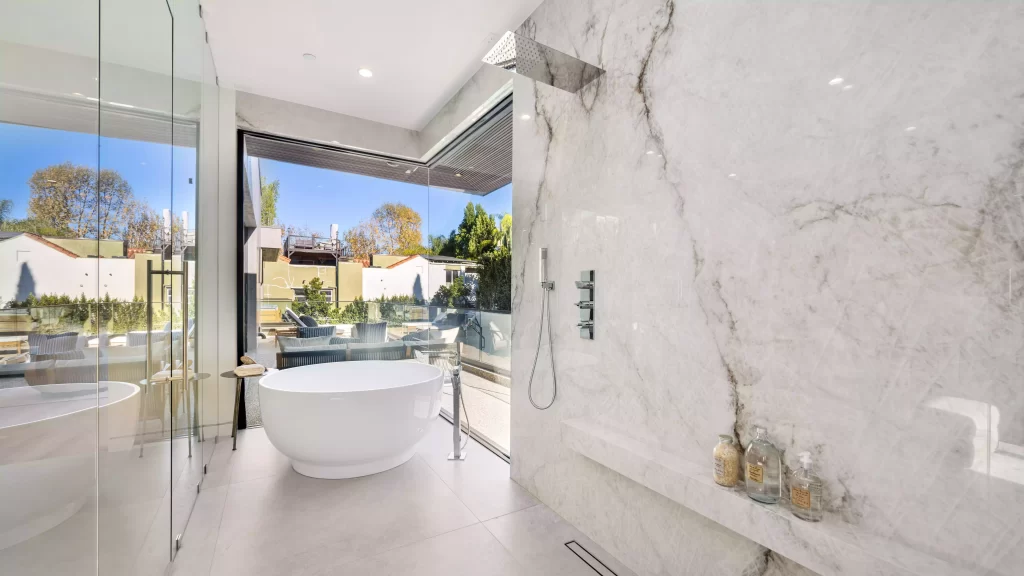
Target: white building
[[33, 264], [418, 276]]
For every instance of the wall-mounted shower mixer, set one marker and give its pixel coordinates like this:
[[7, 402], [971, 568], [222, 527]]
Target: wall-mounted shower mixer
[[586, 304]]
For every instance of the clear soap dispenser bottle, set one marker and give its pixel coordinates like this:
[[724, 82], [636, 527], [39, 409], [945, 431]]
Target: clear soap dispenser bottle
[[805, 491], [763, 468]]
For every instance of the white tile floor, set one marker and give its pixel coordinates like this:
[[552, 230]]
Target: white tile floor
[[429, 516]]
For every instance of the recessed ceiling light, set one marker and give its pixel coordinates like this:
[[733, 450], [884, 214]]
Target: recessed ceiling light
[[408, 171], [458, 174], [911, 128], [649, 152], [365, 72], [835, 81], [525, 116], [309, 56], [847, 87]]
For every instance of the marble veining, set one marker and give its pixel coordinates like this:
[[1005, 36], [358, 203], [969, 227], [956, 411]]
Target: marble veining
[[804, 215]]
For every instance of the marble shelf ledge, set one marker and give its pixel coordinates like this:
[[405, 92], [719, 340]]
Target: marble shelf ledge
[[830, 547]]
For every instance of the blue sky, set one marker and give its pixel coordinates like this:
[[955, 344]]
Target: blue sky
[[318, 197], [310, 197], [146, 166]]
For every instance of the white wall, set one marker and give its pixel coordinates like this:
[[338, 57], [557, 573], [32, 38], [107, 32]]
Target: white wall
[[45, 270], [401, 280], [800, 214]]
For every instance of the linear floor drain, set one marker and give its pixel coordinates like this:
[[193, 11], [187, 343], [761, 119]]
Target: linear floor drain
[[589, 559]]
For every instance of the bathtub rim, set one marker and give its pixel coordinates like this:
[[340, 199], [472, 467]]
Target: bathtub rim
[[135, 390], [277, 373]]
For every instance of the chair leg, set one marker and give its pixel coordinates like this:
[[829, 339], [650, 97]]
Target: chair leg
[[142, 418], [234, 418]]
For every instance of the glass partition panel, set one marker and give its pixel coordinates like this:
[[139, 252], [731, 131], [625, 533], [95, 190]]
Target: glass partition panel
[[205, 342], [470, 287], [48, 287], [135, 162], [186, 450]]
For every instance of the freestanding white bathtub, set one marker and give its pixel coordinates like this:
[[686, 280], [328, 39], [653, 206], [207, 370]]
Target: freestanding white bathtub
[[349, 419], [49, 437]]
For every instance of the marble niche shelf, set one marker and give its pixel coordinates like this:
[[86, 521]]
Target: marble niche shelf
[[829, 547]]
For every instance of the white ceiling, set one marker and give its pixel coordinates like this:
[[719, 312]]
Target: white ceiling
[[420, 51]]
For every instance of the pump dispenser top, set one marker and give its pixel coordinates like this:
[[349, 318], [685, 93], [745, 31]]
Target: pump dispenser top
[[805, 461]]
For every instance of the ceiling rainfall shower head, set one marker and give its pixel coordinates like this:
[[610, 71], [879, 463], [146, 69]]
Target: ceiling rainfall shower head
[[534, 60]]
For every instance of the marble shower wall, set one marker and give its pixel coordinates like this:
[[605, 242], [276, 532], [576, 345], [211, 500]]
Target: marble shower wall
[[802, 214]]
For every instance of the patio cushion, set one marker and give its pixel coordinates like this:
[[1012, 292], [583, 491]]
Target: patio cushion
[[53, 343], [288, 344], [306, 332], [308, 321], [376, 332], [395, 350]]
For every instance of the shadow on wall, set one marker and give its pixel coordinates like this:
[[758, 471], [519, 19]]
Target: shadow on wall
[[417, 288], [26, 283]]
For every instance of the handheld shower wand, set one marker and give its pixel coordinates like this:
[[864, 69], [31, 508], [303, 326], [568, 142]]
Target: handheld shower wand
[[547, 287]]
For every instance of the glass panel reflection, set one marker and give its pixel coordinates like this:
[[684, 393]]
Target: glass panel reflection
[[50, 235]]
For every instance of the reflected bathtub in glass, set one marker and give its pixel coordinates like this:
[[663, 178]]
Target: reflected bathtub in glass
[[48, 450]]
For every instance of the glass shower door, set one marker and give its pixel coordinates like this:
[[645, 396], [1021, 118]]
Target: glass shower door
[[186, 449], [134, 188]]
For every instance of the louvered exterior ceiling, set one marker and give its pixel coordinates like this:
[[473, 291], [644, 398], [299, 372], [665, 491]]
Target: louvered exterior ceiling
[[477, 162]]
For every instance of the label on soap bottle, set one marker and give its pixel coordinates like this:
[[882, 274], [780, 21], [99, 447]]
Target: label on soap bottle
[[800, 497], [755, 472], [719, 468]]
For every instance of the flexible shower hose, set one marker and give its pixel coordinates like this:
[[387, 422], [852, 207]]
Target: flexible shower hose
[[540, 333]]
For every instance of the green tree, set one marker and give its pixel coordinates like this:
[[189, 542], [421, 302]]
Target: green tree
[[505, 232], [476, 235], [269, 192], [454, 295], [495, 290], [437, 245], [316, 304], [32, 226], [393, 228], [79, 202], [6, 208], [355, 311], [361, 240], [141, 226], [392, 308]]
